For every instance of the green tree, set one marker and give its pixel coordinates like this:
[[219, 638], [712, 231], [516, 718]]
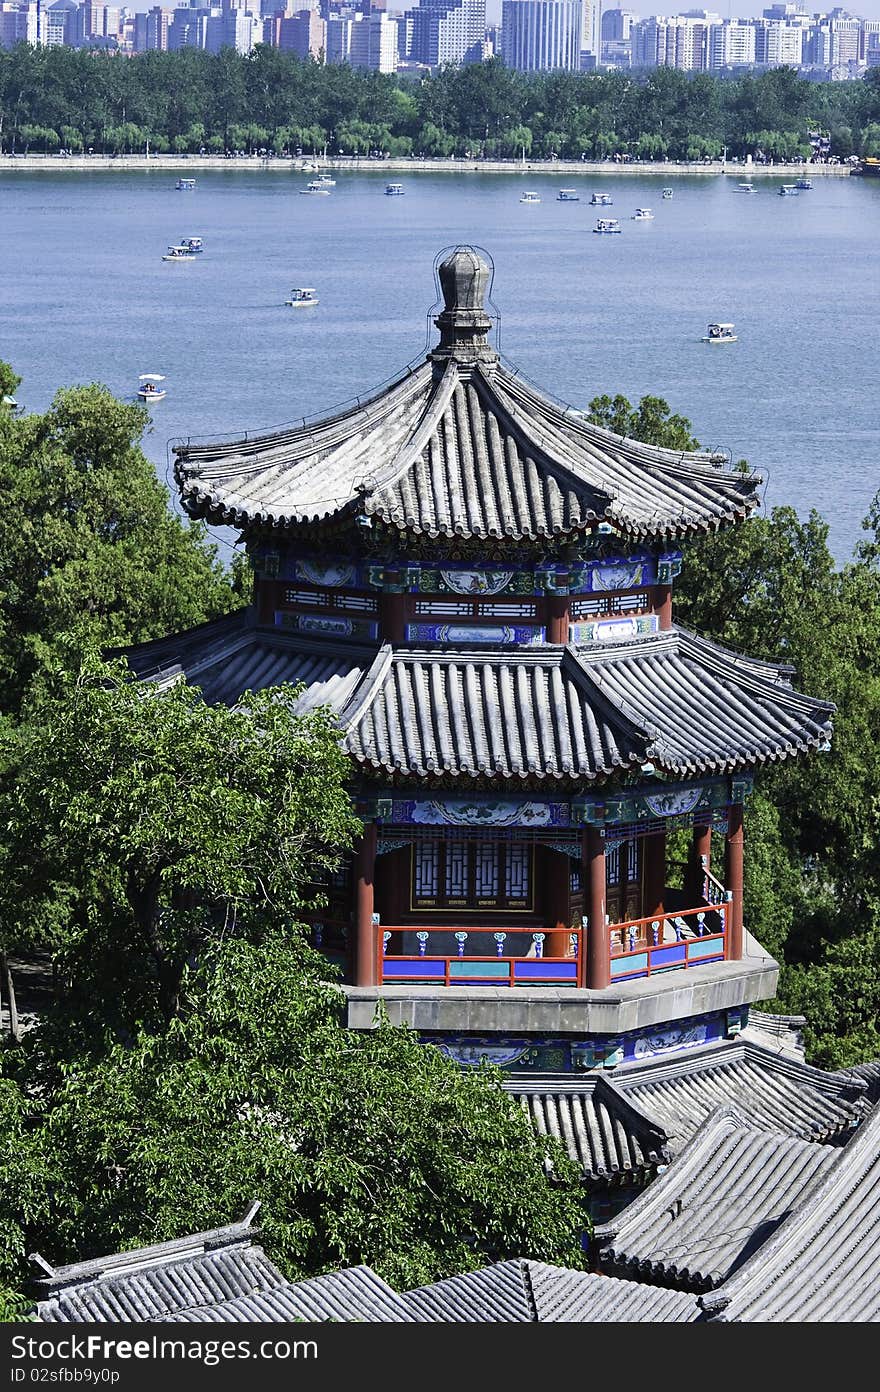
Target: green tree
[[364, 1146], [88, 544], [142, 823], [652, 421]]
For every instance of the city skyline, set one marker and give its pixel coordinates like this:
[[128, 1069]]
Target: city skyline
[[727, 9]]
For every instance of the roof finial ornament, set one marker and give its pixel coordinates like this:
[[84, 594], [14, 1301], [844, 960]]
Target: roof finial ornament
[[465, 278]]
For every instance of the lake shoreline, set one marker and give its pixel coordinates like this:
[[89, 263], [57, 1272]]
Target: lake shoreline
[[79, 164]]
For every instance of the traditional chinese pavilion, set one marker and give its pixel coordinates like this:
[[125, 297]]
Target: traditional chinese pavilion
[[479, 582]]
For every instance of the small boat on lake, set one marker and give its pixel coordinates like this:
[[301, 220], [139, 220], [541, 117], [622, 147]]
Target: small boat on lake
[[193, 244], [607, 225], [179, 253], [185, 184], [394, 190], [602, 200], [302, 295], [745, 188], [530, 197], [315, 186], [788, 191], [667, 193], [804, 184], [568, 196], [325, 180], [642, 215], [719, 333], [149, 389]]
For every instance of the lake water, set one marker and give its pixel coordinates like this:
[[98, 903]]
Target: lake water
[[86, 297]]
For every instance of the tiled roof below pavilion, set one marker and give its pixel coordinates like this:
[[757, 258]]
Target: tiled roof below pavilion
[[722, 1197], [519, 1292], [772, 1091], [606, 1133], [462, 451], [557, 713], [822, 1264]]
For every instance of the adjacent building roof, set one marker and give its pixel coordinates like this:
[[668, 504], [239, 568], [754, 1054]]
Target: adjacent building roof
[[461, 447], [823, 1262], [772, 1091], [560, 713], [604, 1131], [532, 1292], [356, 1294], [724, 1195]]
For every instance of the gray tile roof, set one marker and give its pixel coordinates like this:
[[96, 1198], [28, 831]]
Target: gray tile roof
[[773, 1092], [356, 1294], [823, 1263], [522, 1292], [450, 450], [869, 1074], [558, 713], [602, 1130], [155, 1283], [723, 1196]]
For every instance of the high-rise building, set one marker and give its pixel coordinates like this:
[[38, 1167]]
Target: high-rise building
[[372, 42], [542, 35], [303, 33], [731, 45], [18, 24], [59, 23], [680, 41], [779, 42], [448, 31]]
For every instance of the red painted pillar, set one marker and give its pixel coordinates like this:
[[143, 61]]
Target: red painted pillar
[[734, 878], [557, 612], [664, 605], [701, 860], [556, 874], [598, 953], [655, 873], [365, 935], [392, 617]]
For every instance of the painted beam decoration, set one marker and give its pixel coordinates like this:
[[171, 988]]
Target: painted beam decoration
[[599, 576], [626, 807]]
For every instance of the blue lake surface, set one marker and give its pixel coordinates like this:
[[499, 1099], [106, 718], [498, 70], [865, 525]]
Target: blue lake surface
[[87, 297]]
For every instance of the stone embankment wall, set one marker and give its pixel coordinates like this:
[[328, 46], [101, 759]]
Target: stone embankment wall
[[190, 164]]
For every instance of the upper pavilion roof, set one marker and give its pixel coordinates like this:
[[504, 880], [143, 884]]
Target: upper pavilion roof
[[461, 446]]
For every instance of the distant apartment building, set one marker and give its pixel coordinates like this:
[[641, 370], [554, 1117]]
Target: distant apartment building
[[778, 42], [542, 35], [18, 24], [59, 23], [304, 33], [677, 41], [448, 31], [616, 25], [731, 45], [363, 40]]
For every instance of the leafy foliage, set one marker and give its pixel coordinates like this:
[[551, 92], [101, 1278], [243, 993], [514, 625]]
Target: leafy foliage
[[364, 1147], [143, 824], [89, 548], [191, 100]]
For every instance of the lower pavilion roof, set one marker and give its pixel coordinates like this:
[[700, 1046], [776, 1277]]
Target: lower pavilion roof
[[822, 1264], [619, 1124], [557, 712], [723, 1196]]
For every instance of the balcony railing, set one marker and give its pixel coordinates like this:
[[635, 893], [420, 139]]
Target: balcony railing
[[468, 956], [668, 942]]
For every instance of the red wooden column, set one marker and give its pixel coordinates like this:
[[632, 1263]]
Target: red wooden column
[[663, 600], [701, 859], [734, 878], [365, 935], [556, 879], [655, 873], [598, 952], [392, 617], [557, 614]]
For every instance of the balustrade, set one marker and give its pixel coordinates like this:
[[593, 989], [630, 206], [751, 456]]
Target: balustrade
[[478, 956]]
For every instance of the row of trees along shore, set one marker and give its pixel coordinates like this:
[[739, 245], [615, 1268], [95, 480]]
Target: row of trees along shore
[[191, 101], [161, 856]]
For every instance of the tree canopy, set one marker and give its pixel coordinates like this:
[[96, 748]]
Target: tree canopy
[[191, 100], [89, 547]]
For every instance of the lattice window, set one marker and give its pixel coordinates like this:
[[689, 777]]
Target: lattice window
[[457, 871], [588, 608], [315, 599], [486, 874], [504, 609], [612, 866], [426, 869], [629, 604], [445, 608], [360, 603], [516, 872]]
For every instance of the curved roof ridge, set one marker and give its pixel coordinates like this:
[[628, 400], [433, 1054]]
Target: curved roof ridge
[[435, 407], [806, 1226], [616, 710]]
